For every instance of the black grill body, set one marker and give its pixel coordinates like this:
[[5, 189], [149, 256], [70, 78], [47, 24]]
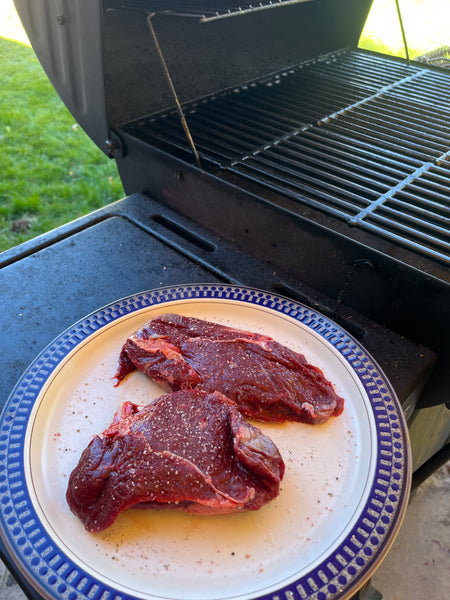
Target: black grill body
[[273, 152]]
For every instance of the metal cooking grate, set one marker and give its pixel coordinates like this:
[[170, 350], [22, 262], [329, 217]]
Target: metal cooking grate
[[205, 10], [357, 136]]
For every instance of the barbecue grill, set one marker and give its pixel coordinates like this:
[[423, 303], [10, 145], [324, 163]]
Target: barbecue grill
[[257, 146]]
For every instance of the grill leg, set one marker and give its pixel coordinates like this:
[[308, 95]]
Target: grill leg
[[368, 592]]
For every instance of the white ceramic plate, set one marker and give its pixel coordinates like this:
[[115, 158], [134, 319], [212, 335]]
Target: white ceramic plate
[[342, 498]]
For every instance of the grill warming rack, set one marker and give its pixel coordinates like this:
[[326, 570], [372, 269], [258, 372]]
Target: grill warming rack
[[357, 136], [201, 9]]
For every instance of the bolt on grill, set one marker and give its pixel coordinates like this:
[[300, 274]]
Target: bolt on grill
[[360, 137]]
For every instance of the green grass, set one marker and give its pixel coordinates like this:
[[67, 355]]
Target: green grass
[[50, 171], [426, 24]]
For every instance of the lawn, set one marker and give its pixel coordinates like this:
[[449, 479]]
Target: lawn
[[426, 24], [51, 172]]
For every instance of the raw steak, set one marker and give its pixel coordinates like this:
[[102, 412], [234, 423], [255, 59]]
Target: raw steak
[[188, 450], [266, 380]]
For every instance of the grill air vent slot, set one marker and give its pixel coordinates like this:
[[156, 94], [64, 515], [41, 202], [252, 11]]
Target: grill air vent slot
[[183, 232]]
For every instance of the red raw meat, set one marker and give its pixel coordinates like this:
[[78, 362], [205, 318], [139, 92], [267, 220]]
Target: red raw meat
[[189, 450], [266, 380]]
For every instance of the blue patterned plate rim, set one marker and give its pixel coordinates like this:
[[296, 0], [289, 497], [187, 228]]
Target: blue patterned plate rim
[[338, 576]]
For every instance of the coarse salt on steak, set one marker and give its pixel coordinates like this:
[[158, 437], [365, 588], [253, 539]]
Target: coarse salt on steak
[[266, 380], [189, 450]]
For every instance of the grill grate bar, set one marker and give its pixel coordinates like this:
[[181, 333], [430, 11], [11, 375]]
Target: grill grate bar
[[411, 112], [338, 169], [389, 194], [258, 119], [424, 125], [365, 72], [360, 150], [342, 161], [315, 197], [409, 237], [431, 91], [171, 134], [351, 195], [392, 137], [281, 104], [400, 214], [434, 232], [260, 129], [435, 186], [424, 207], [168, 135]]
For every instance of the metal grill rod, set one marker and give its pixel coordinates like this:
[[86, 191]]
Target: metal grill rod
[[400, 20], [172, 88], [205, 11], [382, 199]]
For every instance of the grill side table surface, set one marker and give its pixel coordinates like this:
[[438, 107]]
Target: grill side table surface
[[128, 247]]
